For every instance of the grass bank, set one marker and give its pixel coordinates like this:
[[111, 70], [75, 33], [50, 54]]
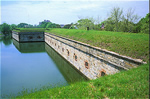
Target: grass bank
[[29, 30], [126, 84], [135, 45]]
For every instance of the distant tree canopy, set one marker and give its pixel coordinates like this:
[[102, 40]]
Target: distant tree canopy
[[13, 26], [117, 21], [49, 25], [22, 25], [120, 21], [84, 23], [67, 26], [143, 25], [6, 29]]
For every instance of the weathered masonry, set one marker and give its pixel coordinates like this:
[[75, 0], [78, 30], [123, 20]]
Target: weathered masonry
[[28, 36], [93, 62]]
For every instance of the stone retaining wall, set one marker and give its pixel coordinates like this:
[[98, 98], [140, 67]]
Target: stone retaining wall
[[93, 62], [28, 36]]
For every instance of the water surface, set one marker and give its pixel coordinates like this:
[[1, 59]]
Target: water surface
[[33, 65]]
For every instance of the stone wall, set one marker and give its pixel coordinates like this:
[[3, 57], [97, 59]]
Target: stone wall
[[28, 36], [93, 62], [15, 35]]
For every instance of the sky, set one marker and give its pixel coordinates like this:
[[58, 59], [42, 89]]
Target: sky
[[65, 11]]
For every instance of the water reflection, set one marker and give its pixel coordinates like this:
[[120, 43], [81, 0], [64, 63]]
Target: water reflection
[[32, 47], [7, 40], [68, 71], [34, 65]]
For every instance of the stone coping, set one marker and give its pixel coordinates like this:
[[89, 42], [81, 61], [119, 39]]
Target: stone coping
[[138, 61]]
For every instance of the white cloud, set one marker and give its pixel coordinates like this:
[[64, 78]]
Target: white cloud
[[64, 11]]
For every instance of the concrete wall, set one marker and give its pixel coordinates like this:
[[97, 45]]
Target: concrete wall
[[93, 62], [28, 36]]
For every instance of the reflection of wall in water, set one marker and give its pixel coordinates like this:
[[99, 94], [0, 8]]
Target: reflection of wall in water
[[68, 71], [92, 62], [30, 47]]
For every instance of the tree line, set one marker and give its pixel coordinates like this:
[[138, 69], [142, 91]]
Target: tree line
[[118, 21]]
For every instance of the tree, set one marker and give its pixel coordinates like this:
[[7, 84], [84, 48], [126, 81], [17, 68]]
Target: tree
[[51, 25], [6, 29], [109, 24], [13, 26], [129, 19], [84, 23], [116, 16], [22, 25], [67, 26], [58, 26], [98, 23], [143, 24]]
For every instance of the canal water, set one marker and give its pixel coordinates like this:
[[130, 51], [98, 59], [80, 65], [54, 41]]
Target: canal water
[[33, 66]]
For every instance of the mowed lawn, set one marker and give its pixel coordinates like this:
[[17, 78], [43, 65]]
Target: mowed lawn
[[135, 45]]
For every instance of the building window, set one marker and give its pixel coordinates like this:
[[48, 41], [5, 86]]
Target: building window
[[39, 37], [68, 52], [58, 46], [30, 37], [75, 57], [55, 44], [63, 49], [102, 72], [86, 64]]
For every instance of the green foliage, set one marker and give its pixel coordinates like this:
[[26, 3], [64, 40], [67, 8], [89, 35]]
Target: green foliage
[[29, 30], [116, 15], [84, 23], [22, 25], [67, 26], [133, 83], [109, 25], [13, 26], [43, 24], [49, 25], [122, 22], [143, 25], [6, 29]]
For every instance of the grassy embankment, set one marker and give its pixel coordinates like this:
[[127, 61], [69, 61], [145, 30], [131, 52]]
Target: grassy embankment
[[126, 84], [29, 30], [135, 45]]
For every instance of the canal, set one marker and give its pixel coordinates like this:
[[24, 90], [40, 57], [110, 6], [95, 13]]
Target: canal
[[33, 66]]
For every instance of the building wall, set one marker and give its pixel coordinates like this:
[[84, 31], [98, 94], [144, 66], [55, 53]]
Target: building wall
[[28, 36], [15, 35], [93, 62]]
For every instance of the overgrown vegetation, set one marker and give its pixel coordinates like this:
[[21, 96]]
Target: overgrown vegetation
[[126, 84], [135, 45]]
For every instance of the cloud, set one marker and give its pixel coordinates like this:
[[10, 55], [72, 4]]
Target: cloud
[[61, 11]]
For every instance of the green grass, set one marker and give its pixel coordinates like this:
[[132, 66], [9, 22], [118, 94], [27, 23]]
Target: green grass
[[135, 45], [29, 30], [133, 83]]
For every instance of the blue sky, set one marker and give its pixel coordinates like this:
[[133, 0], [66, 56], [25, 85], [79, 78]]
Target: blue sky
[[65, 11]]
